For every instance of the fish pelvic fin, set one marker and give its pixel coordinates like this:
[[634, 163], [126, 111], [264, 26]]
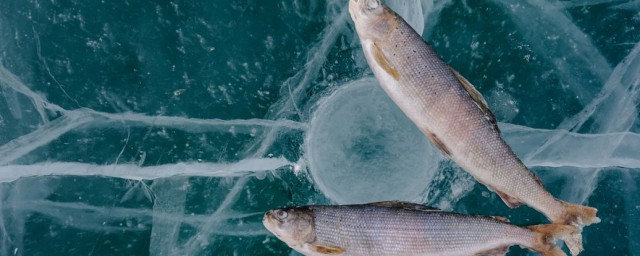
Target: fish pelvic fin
[[326, 249], [500, 251], [439, 144], [546, 236], [577, 215]]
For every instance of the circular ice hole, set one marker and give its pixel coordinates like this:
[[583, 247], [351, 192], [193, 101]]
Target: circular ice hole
[[362, 148]]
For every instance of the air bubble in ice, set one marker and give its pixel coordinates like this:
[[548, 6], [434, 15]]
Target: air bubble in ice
[[362, 148]]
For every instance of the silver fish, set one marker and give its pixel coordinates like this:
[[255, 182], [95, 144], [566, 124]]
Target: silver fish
[[451, 112], [398, 228]]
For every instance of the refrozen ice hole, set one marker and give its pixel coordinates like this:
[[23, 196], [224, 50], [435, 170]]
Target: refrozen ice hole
[[362, 148]]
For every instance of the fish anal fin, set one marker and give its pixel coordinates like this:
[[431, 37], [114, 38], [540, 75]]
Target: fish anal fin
[[404, 205], [500, 251], [326, 249], [477, 98], [439, 144], [379, 57], [512, 202]]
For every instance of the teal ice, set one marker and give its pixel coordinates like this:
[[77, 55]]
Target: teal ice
[[163, 127]]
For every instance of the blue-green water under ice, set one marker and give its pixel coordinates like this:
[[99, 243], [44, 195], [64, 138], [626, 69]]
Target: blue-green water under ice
[[169, 127]]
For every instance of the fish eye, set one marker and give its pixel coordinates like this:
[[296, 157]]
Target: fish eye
[[372, 4], [281, 214]]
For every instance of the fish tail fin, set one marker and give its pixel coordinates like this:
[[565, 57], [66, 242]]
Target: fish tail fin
[[577, 215], [546, 236]]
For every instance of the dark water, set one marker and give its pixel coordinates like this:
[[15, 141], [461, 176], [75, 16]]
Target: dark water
[[169, 127]]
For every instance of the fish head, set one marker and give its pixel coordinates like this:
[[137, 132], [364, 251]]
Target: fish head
[[372, 18], [294, 226]]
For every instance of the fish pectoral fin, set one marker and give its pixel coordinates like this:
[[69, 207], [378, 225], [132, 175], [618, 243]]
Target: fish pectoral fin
[[404, 205], [326, 249], [500, 251], [512, 202], [382, 61], [477, 98], [439, 144]]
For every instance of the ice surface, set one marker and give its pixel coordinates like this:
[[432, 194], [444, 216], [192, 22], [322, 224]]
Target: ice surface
[[13, 221], [9, 80], [578, 62], [290, 105], [134, 172], [580, 3], [614, 149], [618, 98], [628, 5], [189, 132], [632, 5], [421, 15]]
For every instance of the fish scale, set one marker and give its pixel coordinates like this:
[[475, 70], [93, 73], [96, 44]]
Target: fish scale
[[367, 230]]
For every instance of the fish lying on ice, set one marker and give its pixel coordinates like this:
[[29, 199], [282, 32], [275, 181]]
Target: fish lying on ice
[[398, 228], [451, 112]]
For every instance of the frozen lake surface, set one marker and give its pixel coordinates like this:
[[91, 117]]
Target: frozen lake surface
[[170, 127]]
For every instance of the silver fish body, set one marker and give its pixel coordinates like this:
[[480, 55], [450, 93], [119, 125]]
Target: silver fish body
[[397, 230], [387, 231], [451, 112]]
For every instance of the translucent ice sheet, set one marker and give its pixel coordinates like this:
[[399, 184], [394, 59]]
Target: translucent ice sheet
[[169, 128]]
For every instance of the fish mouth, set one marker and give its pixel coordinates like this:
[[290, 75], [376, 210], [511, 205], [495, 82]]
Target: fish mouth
[[354, 10], [353, 7], [364, 9], [268, 221]]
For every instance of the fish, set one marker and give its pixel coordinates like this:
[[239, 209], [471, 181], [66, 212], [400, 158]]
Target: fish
[[451, 112], [402, 228]]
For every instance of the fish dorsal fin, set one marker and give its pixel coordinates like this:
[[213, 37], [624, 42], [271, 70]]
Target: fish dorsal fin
[[326, 249], [379, 57], [537, 178], [501, 219], [477, 98], [404, 205], [500, 251]]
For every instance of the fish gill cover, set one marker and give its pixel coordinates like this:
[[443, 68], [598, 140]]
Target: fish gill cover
[[169, 127]]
